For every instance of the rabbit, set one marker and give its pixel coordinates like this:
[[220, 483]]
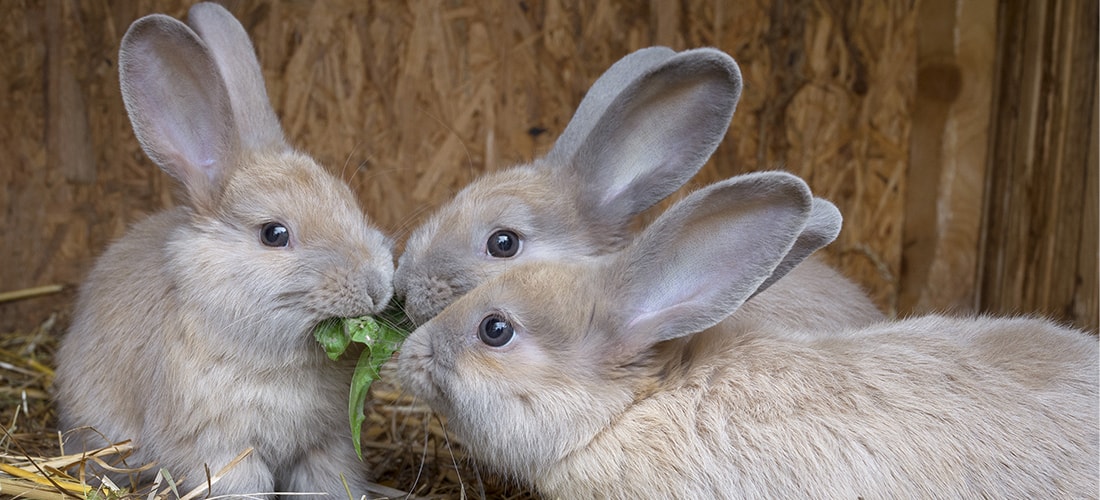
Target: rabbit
[[628, 376], [192, 334], [645, 127]]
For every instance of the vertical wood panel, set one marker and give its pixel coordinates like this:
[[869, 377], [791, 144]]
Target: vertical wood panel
[[1040, 212], [951, 118]]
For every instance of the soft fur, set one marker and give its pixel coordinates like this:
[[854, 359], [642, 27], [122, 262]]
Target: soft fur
[[627, 377], [645, 127], [190, 336]]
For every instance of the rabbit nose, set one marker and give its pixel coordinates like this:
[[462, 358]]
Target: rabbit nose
[[383, 286], [379, 292]]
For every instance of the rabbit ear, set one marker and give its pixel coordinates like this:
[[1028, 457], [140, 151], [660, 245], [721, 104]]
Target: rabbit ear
[[654, 135], [606, 88], [178, 104], [822, 228], [235, 56], [704, 257]]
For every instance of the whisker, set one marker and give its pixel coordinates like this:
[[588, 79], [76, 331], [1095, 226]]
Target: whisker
[[450, 451], [404, 228], [347, 161], [465, 149]]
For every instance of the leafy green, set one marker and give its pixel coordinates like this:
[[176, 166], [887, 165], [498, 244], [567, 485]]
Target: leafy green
[[380, 340], [332, 336]]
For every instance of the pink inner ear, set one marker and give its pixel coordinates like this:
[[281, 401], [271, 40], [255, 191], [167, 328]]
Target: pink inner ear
[[177, 102], [208, 166], [698, 262], [684, 311], [658, 132]]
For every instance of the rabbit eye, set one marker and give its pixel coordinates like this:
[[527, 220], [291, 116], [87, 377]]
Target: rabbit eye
[[503, 244], [274, 234], [496, 331]]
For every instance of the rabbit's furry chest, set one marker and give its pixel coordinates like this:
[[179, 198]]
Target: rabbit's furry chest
[[279, 407]]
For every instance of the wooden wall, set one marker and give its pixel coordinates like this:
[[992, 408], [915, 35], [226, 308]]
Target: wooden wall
[[936, 126], [1040, 246]]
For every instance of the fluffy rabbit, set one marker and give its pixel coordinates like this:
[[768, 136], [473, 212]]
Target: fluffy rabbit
[[642, 131], [620, 377], [192, 334]]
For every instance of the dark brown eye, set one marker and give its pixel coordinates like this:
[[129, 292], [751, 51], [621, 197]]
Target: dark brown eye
[[274, 234], [503, 244], [496, 331]]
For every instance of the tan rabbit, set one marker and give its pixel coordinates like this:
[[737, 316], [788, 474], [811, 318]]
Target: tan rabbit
[[625, 376], [192, 334], [641, 132]]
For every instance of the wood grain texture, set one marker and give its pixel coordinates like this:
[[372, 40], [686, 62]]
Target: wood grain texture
[[1039, 250]]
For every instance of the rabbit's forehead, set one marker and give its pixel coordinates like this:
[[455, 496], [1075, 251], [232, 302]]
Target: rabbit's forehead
[[293, 189], [552, 301], [517, 193], [523, 199], [468, 221]]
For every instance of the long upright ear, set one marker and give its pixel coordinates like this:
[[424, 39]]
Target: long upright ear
[[178, 104], [655, 134], [603, 91], [235, 56], [705, 256], [822, 228]]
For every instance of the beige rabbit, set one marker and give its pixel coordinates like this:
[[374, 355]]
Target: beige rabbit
[[192, 334], [641, 132], [625, 376]]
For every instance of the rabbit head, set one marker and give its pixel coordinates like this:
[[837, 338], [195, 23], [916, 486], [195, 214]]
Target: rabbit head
[[530, 365], [645, 127], [267, 228]]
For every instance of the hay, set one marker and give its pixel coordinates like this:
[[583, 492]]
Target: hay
[[405, 446]]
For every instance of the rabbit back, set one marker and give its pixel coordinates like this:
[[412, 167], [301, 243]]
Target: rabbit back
[[88, 359], [812, 297], [934, 407]]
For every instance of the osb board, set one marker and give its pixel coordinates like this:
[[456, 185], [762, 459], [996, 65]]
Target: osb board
[[410, 101], [1040, 249]]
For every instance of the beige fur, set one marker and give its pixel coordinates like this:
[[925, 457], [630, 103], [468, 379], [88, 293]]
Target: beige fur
[[193, 338], [643, 130], [628, 377]]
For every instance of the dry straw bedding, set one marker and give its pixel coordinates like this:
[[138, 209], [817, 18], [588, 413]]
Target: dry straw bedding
[[404, 444]]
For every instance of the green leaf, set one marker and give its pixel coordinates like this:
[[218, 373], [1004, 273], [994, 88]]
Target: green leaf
[[362, 330], [357, 400], [333, 337], [380, 340]]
